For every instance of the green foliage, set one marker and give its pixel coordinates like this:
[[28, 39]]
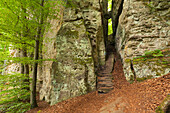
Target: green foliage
[[21, 22], [110, 30], [17, 107], [109, 5], [14, 96]]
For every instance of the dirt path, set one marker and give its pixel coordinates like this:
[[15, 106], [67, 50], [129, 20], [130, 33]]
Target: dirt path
[[141, 97]]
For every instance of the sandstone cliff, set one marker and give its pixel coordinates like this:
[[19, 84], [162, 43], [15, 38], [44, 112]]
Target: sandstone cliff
[[77, 44], [79, 38], [143, 28]]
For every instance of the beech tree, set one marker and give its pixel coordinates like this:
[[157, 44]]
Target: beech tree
[[23, 23], [36, 55]]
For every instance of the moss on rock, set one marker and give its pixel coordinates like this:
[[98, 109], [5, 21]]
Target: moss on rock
[[144, 78], [127, 60]]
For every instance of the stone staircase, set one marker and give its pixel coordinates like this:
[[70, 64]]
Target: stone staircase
[[104, 75], [104, 82]]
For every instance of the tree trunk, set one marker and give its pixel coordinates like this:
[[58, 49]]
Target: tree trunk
[[34, 78], [35, 67], [22, 69], [22, 65], [26, 71]]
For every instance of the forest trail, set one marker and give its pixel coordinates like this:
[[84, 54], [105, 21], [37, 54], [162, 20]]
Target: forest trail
[[139, 97]]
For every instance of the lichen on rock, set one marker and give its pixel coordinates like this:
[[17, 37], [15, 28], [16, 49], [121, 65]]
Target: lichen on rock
[[141, 30], [78, 47]]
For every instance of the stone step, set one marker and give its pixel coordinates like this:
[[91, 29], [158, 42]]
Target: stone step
[[105, 82], [104, 75], [101, 73], [105, 88], [104, 91], [105, 85], [104, 78], [99, 80], [109, 84]]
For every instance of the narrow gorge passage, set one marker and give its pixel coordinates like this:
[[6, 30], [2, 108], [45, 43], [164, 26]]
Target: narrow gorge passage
[[111, 73], [104, 76]]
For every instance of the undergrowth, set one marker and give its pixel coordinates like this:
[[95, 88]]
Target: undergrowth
[[14, 93]]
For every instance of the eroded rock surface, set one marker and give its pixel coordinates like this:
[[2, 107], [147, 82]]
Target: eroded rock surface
[[143, 26], [78, 48]]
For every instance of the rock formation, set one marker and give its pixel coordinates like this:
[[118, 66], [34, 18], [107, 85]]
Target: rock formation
[[144, 27], [78, 47]]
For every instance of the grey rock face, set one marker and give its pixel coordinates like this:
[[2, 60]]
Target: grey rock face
[[72, 44], [141, 29]]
